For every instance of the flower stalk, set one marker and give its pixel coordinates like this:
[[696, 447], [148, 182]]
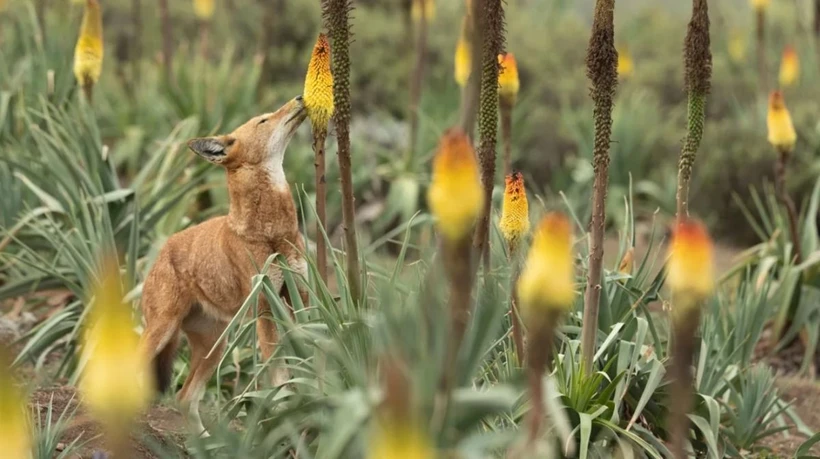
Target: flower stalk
[[690, 277], [546, 289], [455, 200], [697, 59], [508, 86], [514, 225], [318, 95], [760, 7], [204, 12], [491, 22], [88, 53], [336, 14], [783, 137], [422, 11], [602, 62]]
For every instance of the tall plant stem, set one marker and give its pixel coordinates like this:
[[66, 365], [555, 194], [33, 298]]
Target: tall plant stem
[[786, 200], [515, 316], [336, 16], [760, 33], [506, 136], [539, 351], [491, 22], [602, 71], [817, 19], [682, 349], [416, 80], [697, 58], [136, 42], [321, 202], [470, 91], [167, 40], [40, 11], [204, 31]]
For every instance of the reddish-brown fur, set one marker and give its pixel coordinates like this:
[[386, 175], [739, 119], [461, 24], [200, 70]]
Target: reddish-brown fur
[[203, 274]]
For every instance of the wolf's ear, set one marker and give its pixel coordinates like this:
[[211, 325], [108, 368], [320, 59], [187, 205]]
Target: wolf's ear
[[210, 148]]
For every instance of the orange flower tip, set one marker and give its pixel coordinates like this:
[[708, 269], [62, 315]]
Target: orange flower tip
[[789, 67], [318, 91], [690, 272], [508, 79], [455, 195], [547, 281], [514, 222], [782, 134]]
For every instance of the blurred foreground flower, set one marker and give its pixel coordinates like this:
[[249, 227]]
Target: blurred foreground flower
[[463, 58], [515, 219], [626, 67], [397, 433], [318, 92], [781, 130], [204, 9], [455, 196], [737, 47], [508, 83], [426, 6], [760, 5], [789, 67], [115, 384], [88, 54], [691, 272], [547, 282], [15, 436]]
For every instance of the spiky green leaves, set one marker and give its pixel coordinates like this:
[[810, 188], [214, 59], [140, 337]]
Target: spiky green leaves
[[697, 55]]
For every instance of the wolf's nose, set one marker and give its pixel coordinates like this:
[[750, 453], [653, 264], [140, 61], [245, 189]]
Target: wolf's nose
[[299, 98]]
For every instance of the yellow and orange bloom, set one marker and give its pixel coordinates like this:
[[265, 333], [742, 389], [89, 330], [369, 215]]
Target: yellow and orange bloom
[[626, 66], [204, 9], [115, 384], [737, 47], [760, 5], [547, 282], [455, 196], [789, 67], [318, 92], [15, 426], [690, 272], [626, 264], [88, 54], [779, 122], [508, 83], [428, 7], [515, 218]]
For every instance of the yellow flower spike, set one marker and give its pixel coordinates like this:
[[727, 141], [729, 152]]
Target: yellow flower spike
[[625, 267], [15, 426], [204, 9], [429, 10], [547, 281], [515, 217], [789, 67], [690, 272], [318, 93], [463, 58], [737, 47], [116, 383], [88, 54], [781, 130], [626, 67], [508, 83], [760, 5], [455, 196]]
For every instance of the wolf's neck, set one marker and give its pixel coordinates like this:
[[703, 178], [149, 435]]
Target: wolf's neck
[[261, 206]]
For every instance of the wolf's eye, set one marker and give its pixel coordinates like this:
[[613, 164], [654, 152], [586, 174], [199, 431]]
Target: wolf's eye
[[261, 121]]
